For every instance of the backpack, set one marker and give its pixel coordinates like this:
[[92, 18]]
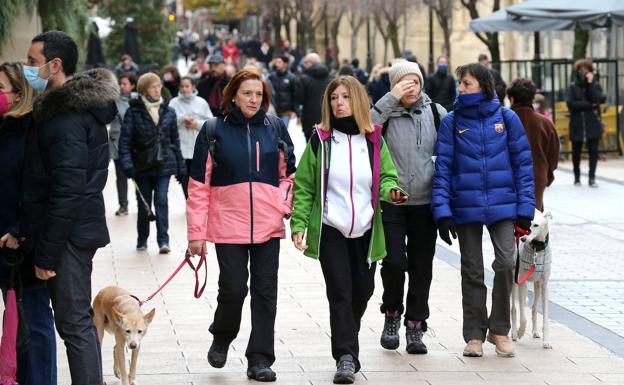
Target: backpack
[[436, 119], [211, 132]]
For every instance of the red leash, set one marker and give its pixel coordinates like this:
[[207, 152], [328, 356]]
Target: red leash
[[187, 260], [520, 232]]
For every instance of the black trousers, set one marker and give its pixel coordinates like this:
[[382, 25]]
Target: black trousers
[[70, 292], [185, 182], [122, 184], [350, 283], [414, 257], [263, 262], [592, 149]]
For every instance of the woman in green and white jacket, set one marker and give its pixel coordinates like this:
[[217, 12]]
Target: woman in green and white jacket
[[337, 202]]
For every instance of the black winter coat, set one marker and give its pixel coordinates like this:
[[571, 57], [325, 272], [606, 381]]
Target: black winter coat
[[138, 129], [441, 89], [204, 87], [583, 100], [313, 82], [285, 85], [378, 88], [66, 167]]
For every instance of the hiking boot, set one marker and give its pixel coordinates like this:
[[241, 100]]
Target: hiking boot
[[217, 355], [474, 348], [413, 337], [122, 212], [390, 336], [345, 370], [164, 249], [592, 183], [504, 347], [261, 372]]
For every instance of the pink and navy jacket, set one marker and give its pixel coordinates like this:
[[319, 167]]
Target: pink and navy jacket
[[242, 195]]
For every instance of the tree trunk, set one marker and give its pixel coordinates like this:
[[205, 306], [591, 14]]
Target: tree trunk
[[335, 26], [404, 31], [393, 34], [581, 38], [495, 50], [276, 20]]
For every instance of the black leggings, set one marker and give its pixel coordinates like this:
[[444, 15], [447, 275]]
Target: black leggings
[[592, 149]]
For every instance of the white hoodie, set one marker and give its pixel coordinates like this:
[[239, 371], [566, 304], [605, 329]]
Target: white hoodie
[[195, 107]]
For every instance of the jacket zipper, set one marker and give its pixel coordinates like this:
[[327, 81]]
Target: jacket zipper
[[323, 181], [250, 179], [257, 155], [484, 170], [351, 186]]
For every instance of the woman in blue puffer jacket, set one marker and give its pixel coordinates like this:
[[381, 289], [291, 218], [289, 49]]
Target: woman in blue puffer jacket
[[484, 176]]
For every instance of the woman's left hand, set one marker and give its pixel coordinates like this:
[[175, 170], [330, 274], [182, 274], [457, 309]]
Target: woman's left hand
[[397, 196]]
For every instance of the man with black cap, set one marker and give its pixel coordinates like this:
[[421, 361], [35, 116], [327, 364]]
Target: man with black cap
[[285, 85], [213, 82]]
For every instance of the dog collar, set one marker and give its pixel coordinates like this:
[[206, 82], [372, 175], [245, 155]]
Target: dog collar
[[539, 245], [137, 298]]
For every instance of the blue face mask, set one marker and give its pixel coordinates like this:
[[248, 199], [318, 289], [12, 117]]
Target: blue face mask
[[32, 77], [442, 68]]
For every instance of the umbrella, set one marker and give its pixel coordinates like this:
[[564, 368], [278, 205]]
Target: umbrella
[[501, 20], [8, 354], [591, 14]]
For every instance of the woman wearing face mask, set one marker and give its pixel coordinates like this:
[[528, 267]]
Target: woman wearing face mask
[[127, 84], [191, 112], [149, 151], [583, 99], [171, 79], [38, 364], [484, 176], [344, 173], [240, 191], [411, 121], [440, 85]]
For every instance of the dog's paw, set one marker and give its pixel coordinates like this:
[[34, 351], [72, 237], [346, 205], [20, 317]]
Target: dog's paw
[[547, 345], [521, 331], [536, 334], [514, 336]]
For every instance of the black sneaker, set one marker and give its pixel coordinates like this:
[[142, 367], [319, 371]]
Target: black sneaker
[[123, 211], [345, 370], [577, 182], [217, 355], [592, 183], [390, 336], [413, 336], [261, 372]]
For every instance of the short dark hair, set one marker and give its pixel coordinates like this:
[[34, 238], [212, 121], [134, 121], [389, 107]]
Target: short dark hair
[[58, 44], [345, 71], [482, 74], [355, 62], [482, 57], [190, 79], [131, 76], [522, 91]]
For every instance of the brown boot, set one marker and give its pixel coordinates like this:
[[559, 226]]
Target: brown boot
[[474, 348], [504, 346]]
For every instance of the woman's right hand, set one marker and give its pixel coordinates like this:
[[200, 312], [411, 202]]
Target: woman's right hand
[[196, 247], [401, 88], [297, 239]]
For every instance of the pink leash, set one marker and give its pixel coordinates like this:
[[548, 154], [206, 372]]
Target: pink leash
[[519, 233]]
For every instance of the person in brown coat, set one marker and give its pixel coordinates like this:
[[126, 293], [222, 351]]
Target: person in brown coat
[[541, 133]]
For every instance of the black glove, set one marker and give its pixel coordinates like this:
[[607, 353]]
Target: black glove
[[446, 227], [180, 176], [524, 223]]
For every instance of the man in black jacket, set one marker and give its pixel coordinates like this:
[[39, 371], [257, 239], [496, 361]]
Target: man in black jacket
[[213, 83], [499, 84], [66, 168], [285, 85], [440, 85], [313, 82]]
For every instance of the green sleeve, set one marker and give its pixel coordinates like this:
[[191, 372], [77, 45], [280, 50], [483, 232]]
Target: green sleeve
[[389, 178], [305, 190]]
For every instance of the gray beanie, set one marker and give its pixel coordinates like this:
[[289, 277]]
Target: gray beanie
[[402, 68]]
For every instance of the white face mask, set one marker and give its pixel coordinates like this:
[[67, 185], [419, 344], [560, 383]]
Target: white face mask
[[536, 106]]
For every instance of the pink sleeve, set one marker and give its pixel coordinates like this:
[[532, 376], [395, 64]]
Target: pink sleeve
[[197, 205], [286, 185]]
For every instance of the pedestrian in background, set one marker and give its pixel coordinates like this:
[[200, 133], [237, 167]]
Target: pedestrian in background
[[127, 85], [213, 82], [171, 79], [285, 85], [359, 73], [499, 84], [240, 191], [126, 65], [345, 171], [66, 167], [583, 98], [37, 365], [313, 82], [484, 176], [410, 119], [149, 151], [378, 83], [540, 105], [440, 85], [541, 134], [192, 111]]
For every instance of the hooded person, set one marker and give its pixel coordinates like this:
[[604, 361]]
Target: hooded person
[[410, 120]]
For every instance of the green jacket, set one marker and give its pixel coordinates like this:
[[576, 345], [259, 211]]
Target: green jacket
[[309, 192]]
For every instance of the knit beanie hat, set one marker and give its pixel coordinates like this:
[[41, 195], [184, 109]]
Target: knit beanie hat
[[402, 68], [146, 81]]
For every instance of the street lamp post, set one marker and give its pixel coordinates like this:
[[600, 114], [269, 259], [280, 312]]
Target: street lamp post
[[430, 37], [369, 57]]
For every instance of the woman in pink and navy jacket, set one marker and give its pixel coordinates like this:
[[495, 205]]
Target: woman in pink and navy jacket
[[240, 191]]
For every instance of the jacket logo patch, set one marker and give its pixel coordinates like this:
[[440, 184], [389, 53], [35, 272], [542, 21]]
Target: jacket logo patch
[[462, 131], [499, 128]]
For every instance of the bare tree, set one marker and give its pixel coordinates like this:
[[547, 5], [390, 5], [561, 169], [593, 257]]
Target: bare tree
[[357, 17], [490, 39], [337, 10], [443, 10], [392, 12]]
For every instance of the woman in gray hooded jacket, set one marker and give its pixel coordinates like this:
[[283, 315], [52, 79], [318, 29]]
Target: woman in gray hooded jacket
[[410, 121]]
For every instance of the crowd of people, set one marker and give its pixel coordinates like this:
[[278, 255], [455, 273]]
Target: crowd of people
[[393, 160]]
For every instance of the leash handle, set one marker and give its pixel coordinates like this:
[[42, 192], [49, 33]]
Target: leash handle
[[519, 232]]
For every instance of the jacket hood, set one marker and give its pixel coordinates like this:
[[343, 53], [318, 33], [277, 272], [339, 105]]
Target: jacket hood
[[476, 105], [317, 71], [92, 91]]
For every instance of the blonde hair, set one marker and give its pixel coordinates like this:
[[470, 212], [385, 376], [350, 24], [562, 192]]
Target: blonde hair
[[15, 72], [360, 104], [146, 81]]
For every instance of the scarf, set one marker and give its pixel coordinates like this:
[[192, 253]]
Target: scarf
[[153, 108], [346, 125]]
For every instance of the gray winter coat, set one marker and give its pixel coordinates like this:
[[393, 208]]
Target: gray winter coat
[[122, 102], [411, 136]]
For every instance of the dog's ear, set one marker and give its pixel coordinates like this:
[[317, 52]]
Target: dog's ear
[[149, 316], [548, 214]]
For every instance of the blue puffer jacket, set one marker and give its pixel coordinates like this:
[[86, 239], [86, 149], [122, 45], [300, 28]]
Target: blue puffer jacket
[[484, 170]]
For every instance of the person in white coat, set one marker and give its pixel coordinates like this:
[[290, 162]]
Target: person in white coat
[[192, 111]]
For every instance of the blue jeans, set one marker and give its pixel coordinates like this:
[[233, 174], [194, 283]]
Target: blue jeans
[[158, 188]]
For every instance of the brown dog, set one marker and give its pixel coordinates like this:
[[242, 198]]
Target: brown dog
[[119, 313]]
